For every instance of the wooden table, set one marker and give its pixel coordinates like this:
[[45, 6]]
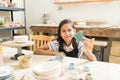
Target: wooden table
[[45, 28], [90, 31], [99, 70]]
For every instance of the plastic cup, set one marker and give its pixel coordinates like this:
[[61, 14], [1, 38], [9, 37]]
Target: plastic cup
[[24, 62]]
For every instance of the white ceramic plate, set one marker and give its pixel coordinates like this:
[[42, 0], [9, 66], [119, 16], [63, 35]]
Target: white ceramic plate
[[50, 77], [20, 42], [21, 38], [47, 68], [5, 72]]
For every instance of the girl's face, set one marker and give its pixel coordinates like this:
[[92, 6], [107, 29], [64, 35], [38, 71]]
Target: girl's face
[[67, 32]]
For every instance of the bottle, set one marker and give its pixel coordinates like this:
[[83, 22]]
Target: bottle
[[71, 66], [1, 56], [72, 71], [88, 77]]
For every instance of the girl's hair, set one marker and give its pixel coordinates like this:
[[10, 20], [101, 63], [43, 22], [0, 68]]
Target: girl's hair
[[60, 40]]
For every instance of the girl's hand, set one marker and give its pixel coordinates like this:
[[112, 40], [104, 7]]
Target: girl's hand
[[60, 54], [56, 53], [86, 44], [87, 51]]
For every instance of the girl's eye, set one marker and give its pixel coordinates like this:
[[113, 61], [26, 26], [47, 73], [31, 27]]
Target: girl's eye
[[69, 30], [63, 31]]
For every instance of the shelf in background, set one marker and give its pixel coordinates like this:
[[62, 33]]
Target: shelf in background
[[11, 9], [11, 28], [81, 1]]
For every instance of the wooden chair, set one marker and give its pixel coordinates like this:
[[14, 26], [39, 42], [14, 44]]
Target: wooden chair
[[91, 48], [92, 40], [39, 40]]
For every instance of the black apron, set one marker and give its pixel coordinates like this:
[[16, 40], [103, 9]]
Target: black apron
[[73, 53]]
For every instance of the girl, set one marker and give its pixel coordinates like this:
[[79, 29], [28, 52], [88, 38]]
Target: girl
[[66, 44]]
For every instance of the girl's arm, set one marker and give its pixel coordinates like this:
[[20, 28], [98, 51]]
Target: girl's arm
[[88, 53], [45, 50]]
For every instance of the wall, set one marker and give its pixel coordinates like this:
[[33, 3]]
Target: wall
[[102, 11]]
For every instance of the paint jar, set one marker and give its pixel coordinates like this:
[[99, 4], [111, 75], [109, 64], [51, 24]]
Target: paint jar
[[88, 77]]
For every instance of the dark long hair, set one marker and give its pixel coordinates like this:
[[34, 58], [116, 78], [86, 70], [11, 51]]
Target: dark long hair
[[60, 40]]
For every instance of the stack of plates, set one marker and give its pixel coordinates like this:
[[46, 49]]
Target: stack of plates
[[48, 70], [21, 39], [5, 72]]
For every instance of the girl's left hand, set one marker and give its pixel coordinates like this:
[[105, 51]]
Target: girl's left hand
[[86, 44]]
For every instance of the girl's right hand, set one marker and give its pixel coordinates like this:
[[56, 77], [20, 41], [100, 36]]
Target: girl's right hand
[[60, 54]]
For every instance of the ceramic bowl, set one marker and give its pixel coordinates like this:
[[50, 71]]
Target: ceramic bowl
[[47, 68]]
